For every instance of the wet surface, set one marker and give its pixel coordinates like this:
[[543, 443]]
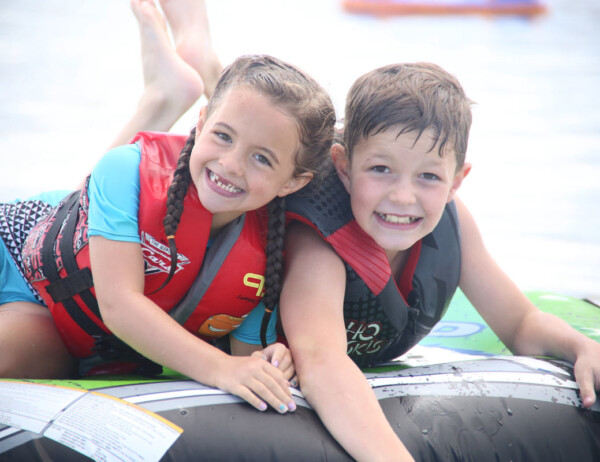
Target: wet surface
[[70, 77]]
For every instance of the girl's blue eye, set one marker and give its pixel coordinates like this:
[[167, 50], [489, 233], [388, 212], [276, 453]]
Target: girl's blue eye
[[224, 136], [262, 159]]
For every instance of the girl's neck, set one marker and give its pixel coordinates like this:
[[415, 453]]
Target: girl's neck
[[219, 221]]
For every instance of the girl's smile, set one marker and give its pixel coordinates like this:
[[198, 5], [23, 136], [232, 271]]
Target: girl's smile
[[220, 186]]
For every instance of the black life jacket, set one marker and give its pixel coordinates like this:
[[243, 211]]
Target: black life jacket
[[383, 321]]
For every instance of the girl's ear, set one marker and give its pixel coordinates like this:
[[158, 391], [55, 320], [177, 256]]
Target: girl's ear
[[342, 164], [201, 121], [295, 184], [458, 179]]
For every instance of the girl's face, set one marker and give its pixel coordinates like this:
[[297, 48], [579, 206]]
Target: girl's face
[[243, 155]]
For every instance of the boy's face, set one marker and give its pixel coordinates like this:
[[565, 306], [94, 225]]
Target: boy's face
[[398, 188]]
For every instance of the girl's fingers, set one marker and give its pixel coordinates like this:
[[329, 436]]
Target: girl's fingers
[[285, 361], [294, 382], [251, 398], [275, 390]]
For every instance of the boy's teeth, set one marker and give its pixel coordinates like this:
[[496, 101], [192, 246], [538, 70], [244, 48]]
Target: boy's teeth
[[397, 219], [227, 187]]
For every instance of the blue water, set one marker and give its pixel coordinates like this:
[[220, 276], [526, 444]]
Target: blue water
[[69, 77]]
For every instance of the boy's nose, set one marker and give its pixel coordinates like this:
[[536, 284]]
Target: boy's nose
[[403, 193], [231, 162]]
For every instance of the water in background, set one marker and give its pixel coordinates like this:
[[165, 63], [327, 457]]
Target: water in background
[[70, 77]]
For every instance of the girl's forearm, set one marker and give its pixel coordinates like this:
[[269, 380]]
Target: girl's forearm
[[154, 334]]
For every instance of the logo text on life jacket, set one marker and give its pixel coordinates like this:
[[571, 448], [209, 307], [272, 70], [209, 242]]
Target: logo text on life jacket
[[255, 280], [362, 337], [157, 258]]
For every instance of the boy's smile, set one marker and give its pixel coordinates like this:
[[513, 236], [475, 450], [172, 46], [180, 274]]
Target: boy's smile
[[399, 186]]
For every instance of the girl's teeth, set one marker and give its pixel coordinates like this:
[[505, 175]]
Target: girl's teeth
[[226, 187]]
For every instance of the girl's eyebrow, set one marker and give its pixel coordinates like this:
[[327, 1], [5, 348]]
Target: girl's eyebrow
[[264, 149]]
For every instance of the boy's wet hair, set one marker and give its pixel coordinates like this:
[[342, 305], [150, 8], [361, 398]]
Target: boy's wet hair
[[303, 99], [413, 97]]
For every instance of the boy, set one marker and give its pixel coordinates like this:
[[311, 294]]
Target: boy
[[378, 252]]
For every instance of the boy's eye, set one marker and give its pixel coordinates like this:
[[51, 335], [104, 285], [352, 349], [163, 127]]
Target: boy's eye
[[380, 169], [262, 159], [224, 136], [430, 176]]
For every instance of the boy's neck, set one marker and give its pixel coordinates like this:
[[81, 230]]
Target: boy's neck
[[397, 260], [403, 265]]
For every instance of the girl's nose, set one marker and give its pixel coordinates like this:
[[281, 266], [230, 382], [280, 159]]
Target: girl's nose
[[231, 161]]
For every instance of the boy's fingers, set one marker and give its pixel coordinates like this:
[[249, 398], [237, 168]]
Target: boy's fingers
[[585, 380], [588, 401]]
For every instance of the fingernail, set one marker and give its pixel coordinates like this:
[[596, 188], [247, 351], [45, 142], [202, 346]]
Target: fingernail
[[292, 406], [275, 363], [282, 408], [264, 357], [263, 407]]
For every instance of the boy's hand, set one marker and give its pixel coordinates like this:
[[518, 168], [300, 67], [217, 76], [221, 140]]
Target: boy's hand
[[587, 372], [257, 381]]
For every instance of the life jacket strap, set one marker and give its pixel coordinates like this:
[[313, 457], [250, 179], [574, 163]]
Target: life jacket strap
[[66, 290]]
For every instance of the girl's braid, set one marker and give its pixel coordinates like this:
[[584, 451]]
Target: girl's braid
[[175, 196], [274, 270]]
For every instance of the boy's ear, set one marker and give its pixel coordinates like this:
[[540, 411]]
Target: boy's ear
[[342, 164], [458, 179], [295, 184]]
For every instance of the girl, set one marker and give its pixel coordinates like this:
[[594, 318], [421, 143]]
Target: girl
[[149, 221]]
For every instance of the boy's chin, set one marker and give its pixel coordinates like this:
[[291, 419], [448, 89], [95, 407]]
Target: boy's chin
[[395, 247]]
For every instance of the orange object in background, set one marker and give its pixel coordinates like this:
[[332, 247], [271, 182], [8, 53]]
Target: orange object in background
[[438, 7]]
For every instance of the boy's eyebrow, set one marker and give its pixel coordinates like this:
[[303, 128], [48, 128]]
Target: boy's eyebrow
[[260, 148]]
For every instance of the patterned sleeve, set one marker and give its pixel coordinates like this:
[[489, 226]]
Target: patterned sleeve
[[114, 192], [249, 330]]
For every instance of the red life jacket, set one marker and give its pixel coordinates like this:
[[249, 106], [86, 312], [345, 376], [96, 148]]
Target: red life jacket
[[229, 278]]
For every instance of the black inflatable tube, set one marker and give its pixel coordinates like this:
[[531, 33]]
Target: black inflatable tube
[[453, 412]]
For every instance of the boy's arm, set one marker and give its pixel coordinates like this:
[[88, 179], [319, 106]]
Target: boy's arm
[[312, 315], [520, 325]]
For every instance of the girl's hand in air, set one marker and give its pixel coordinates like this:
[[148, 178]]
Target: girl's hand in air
[[256, 380]]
